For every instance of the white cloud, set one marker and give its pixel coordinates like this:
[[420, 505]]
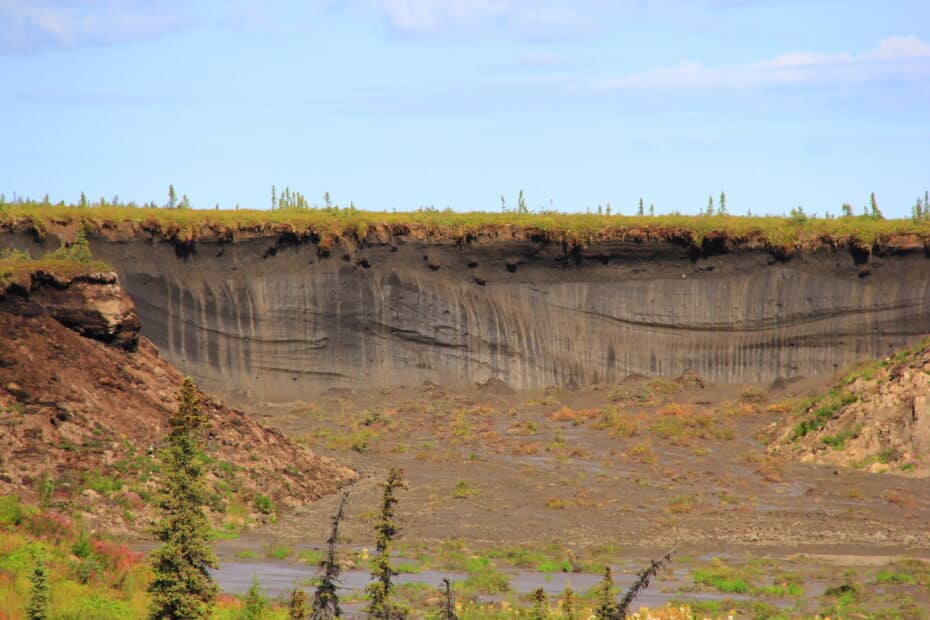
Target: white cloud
[[27, 25], [895, 58], [522, 19]]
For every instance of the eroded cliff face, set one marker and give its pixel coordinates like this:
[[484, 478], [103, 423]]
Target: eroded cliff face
[[280, 317]]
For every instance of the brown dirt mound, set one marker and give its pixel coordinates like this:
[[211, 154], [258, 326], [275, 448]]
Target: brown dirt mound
[[78, 417], [876, 418]]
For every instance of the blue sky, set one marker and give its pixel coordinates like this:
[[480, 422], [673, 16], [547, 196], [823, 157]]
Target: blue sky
[[396, 104]]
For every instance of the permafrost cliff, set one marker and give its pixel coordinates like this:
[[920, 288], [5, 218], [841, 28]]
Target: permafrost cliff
[[276, 316]]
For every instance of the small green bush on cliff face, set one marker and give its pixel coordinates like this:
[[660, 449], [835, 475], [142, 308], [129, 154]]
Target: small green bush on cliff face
[[11, 511], [822, 411], [264, 505], [78, 252]]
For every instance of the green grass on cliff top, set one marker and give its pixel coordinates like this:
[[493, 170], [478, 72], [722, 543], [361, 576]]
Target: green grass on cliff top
[[774, 230], [66, 262]]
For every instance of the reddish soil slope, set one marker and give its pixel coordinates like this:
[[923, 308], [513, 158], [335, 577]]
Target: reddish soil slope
[[81, 413]]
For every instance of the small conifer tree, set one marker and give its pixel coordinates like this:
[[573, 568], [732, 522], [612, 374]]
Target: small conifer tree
[[255, 606], [641, 583], [83, 199], [568, 604], [847, 209], [874, 211], [172, 197], [540, 609], [521, 203], [380, 605], [639, 210], [447, 612], [297, 606], [710, 205], [182, 588], [325, 599], [605, 606], [722, 205], [39, 596]]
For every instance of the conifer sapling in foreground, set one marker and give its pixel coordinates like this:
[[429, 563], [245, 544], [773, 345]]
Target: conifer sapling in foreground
[[182, 588], [39, 597], [380, 605]]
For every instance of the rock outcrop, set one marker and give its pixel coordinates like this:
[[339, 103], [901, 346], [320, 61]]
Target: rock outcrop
[[93, 304]]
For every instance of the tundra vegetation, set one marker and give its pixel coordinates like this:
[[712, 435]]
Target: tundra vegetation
[[291, 209]]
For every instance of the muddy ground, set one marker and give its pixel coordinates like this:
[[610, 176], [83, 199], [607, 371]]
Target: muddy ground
[[615, 474]]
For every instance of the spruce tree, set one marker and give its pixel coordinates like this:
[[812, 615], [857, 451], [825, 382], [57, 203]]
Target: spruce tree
[[540, 609], [448, 601], [641, 583], [521, 203], [568, 604], [379, 591], [640, 211], [297, 607], [172, 197], [325, 599], [606, 605], [873, 208], [722, 205], [255, 606], [182, 588], [39, 597]]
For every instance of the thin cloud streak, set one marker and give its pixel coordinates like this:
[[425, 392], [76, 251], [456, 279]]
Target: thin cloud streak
[[898, 58], [530, 20], [27, 26]]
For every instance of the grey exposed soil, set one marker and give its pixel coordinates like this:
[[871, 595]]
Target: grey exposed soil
[[531, 479], [274, 315]]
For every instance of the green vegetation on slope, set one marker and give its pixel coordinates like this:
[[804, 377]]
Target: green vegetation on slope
[[67, 261]]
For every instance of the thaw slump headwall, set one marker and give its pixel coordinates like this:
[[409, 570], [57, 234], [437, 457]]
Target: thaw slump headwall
[[277, 321]]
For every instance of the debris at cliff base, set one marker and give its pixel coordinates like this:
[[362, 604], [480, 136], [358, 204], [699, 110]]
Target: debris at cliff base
[[84, 403], [876, 418]]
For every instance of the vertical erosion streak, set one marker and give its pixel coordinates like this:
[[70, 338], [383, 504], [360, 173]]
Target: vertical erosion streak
[[280, 330]]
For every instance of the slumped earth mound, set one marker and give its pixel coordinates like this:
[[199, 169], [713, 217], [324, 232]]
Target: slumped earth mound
[[84, 406]]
